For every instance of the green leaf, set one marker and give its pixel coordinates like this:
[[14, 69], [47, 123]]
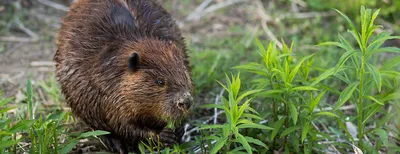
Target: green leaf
[[252, 110], [277, 125], [295, 142], [325, 113], [346, 45], [305, 131], [323, 76], [315, 102], [385, 49], [253, 68], [303, 88], [237, 150], [242, 108], [293, 112], [376, 75], [260, 45], [215, 126], [392, 63], [29, 99], [371, 112], [331, 44], [211, 106], [296, 69], [93, 133], [257, 126], [371, 23], [248, 115], [245, 121], [22, 125], [346, 94], [374, 99], [6, 144], [357, 37], [343, 59], [383, 135], [270, 92], [5, 101], [141, 148], [247, 93], [68, 148], [7, 109], [348, 20], [255, 141], [244, 142], [223, 86], [393, 74], [378, 41], [393, 96], [5, 133], [289, 130], [218, 145]]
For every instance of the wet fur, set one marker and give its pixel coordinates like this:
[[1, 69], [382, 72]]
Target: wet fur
[[94, 44]]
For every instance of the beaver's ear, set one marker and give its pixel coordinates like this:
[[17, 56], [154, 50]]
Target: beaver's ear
[[120, 15], [133, 62]]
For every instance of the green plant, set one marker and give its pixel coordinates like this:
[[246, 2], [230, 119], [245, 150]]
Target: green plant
[[43, 133], [237, 120], [371, 88], [292, 103]]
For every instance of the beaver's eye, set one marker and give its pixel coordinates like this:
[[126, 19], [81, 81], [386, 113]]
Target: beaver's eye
[[160, 82]]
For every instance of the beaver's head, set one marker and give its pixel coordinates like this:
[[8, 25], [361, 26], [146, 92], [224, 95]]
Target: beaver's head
[[157, 82]]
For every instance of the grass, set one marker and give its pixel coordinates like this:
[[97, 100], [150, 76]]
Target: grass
[[276, 100]]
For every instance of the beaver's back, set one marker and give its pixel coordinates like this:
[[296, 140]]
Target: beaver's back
[[92, 25]]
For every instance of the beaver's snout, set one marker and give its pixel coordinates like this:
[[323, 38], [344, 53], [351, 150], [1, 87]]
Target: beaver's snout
[[185, 102]]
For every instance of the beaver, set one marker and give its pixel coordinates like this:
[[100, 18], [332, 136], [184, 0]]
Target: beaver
[[123, 67]]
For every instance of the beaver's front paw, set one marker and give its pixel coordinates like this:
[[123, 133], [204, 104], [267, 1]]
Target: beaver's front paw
[[168, 137], [114, 144]]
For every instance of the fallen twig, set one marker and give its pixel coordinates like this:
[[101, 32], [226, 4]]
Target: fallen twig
[[54, 5], [303, 15], [33, 36], [266, 18], [26, 30], [42, 63], [201, 7], [213, 8], [18, 39]]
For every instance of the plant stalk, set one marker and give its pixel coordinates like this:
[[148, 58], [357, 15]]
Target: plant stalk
[[359, 104], [273, 102], [274, 111]]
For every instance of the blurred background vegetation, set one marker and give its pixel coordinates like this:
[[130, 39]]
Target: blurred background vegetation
[[220, 34]]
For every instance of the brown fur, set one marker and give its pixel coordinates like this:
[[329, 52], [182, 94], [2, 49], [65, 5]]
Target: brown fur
[[94, 44]]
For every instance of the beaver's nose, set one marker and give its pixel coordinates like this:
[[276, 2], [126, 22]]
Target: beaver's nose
[[186, 103]]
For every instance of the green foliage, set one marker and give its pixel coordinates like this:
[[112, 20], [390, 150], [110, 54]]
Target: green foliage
[[239, 116], [44, 133], [292, 96], [284, 82], [370, 83], [389, 7]]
